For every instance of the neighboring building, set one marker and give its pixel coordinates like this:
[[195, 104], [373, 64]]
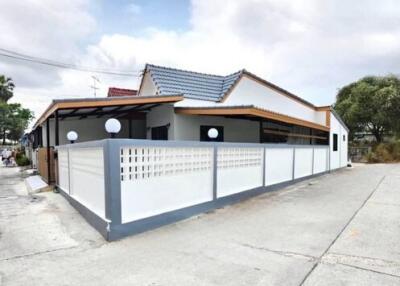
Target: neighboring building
[[115, 91], [173, 104]]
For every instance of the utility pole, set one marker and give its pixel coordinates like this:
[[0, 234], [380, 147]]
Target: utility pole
[[95, 88]]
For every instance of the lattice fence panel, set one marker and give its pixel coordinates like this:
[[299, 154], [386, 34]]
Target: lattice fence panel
[[231, 158], [140, 163]]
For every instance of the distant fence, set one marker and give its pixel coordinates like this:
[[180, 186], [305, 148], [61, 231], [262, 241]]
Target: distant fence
[[357, 154], [125, 181]]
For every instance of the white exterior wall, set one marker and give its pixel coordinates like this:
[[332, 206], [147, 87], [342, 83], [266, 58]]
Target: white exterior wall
[[338, 158], [148, 87], [250, 92], [187, 127], [160, 116], [89, 129]]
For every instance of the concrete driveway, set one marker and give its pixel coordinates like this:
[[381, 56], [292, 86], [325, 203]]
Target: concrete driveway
[[338, 229]]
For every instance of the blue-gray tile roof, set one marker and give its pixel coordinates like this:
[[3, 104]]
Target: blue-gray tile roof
[[191, 84]]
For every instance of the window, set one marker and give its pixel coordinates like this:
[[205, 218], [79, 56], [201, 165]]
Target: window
[[344, 138], [204, 133], [279, 132], [159, 133], [335, 142]]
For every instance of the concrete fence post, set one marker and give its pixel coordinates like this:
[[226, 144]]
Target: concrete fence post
[[312, 168], [112, 181], [328, 167], [293, 162], [69, 172], [263, 169], [215, 173]]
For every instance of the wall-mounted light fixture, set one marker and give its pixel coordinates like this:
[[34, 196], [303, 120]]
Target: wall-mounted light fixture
[[113, 126], [212, 133], [72, 136]]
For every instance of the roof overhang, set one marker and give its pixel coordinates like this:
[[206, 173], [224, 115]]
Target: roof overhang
[[248, 111], [106, 103]]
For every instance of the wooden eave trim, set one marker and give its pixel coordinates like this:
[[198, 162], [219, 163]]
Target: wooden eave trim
[[105, 103], [252, 111], [323, 108], [328, 118]]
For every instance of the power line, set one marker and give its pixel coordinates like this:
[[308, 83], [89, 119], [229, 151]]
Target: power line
[[43, 61]]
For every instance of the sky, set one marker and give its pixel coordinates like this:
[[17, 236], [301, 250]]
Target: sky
[[309, 47]]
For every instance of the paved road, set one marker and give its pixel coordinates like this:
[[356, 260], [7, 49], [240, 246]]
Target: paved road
[[339, 229]]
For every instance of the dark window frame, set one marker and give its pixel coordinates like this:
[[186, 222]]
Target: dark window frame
[[335, 142], [160, 132], [277, 132]]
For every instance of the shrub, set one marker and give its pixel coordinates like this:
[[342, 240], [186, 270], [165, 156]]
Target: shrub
[[384, 153], [22, 160]]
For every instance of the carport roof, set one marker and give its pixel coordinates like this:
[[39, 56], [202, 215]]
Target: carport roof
[[89, 106]]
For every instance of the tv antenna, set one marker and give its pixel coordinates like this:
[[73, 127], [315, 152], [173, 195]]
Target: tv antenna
[[94, 86]]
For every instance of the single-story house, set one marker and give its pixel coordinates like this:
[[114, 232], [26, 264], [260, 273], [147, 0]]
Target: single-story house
[[265, 135], [173, 104]]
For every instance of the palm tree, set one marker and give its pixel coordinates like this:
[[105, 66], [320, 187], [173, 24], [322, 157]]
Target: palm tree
[[6, 88]]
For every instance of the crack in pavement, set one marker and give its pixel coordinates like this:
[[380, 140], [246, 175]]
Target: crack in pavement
[[37, 253], [281, 252], [377, 261], [364, 269], [319, 259]]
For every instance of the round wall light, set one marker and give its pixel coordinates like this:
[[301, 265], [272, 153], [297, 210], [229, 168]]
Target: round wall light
[[72, 136], [113, 126], [212, 133]]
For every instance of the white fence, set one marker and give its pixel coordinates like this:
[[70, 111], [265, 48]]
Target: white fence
[[81, 176], [156, 180], [160, 177]]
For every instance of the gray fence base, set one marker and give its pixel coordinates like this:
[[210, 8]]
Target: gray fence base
[[119, 231]]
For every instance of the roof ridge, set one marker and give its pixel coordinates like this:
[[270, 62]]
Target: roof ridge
[[238, 74], [188, 71]]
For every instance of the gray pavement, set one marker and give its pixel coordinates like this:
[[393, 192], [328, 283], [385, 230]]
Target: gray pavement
[[338, 229]]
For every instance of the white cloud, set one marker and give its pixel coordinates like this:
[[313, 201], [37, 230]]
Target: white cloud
[[308, 47]]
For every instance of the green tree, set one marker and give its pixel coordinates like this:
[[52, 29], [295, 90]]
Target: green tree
[[6, 88], [371, 104], [13, 121]]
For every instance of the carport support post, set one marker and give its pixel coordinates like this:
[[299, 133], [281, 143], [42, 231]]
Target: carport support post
[[56, 133], [112, 182], [48, 150]]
